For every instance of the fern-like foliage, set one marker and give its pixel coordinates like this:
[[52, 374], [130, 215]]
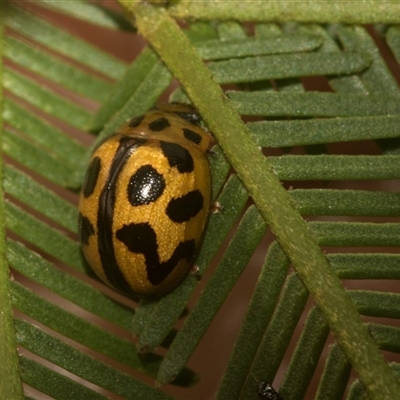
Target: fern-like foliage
[[336, 150]]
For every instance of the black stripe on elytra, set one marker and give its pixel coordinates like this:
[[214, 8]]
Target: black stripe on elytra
[[159, 124], [185, 207], [85, 229], [91, 176], [189, 116], [105, 216], [145, 186], [177, 156], [134, 122], [191, 135], [141, 238]]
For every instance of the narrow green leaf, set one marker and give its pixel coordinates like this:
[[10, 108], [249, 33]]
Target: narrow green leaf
[[38, 197], [350, 234], [81, 330], [90, 12], [315, 131], [377, 78], [54, 38], [305, 358], [248, 235], [43, 133], [41, 235], [45, 99], [83, 365], [254, 69], [144, 81], [200, 30], [258, 315], [376, 304], [143, 314], [347, 202], [393, 40], [288, 85], [387, 337], [231, 30], [336, 374], [231, 200], [313, 104], [220, 49], [57, 70], [42, 162], [342, 84], [278, 334], [54, 384], [364, 265], [265, 29], [179, 96], [336, 167], [73, 289]]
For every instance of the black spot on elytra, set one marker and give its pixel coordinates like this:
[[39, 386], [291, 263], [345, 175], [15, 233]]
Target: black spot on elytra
[[192, 136], [185, 207], [177, 156], [190, 116], [134, 122], [141, 238], [85, 229], [92, 174], [145, 186], [159, 124]]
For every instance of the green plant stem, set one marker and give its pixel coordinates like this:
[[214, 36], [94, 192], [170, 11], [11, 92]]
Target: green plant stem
[[271, 199], [10, 382], [351, 11]]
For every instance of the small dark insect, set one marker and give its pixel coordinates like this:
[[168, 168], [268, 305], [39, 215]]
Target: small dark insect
[[265, 391]]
